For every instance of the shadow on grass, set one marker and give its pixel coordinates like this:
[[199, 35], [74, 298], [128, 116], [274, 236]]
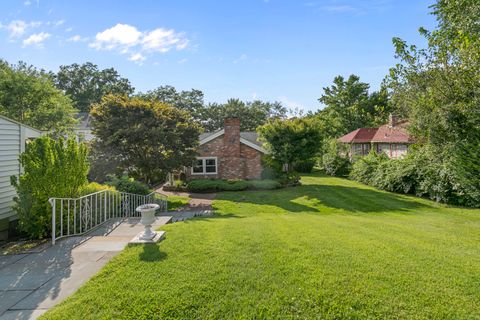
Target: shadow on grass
[[213, 217], [151, 253], [312, 197]]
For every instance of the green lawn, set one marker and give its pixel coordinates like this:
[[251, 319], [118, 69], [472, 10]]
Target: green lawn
[[330, 249], [176, 202]]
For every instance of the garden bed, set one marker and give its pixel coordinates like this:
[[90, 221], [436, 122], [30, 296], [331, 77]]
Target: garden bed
[[23, 246]]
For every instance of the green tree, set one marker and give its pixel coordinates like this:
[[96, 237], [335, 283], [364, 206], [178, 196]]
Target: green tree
[[349, 106], [252, 114], [291, 140], [439, 88], [86, 84], [190, 100], [149, 138], [28, 95], [52, 168]]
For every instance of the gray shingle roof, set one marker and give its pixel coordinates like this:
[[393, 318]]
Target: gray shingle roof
[[247, 135]]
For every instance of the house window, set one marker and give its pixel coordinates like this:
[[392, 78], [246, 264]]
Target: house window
[[205, 166]]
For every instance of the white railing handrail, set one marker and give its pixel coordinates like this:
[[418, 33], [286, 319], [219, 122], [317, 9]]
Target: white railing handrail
[[76, 216]]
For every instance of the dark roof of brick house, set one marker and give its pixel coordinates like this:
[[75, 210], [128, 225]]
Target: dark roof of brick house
[[383, 134]]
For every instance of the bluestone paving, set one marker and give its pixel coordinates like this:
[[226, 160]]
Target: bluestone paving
[[32, 283]]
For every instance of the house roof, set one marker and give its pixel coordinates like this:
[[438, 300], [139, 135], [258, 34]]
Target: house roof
[[358, 136], [382, 134], [21, 124], [248, 138], [390, 134]]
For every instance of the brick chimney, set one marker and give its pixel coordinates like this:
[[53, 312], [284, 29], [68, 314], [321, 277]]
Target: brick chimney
[[233, 165], [231, 138], [392, 120]]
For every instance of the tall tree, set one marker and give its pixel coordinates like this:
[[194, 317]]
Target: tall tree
[[349, 106], [28, 95], [439, 87], [148, 138], [190, 100], [86, 84], [252, 114]]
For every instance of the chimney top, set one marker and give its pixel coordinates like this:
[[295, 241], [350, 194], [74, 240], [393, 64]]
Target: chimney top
[[392, 120]]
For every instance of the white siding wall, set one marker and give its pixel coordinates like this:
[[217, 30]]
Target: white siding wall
[[10, 148]]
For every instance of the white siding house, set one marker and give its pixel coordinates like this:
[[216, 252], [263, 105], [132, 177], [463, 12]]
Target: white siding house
[[13, 136]]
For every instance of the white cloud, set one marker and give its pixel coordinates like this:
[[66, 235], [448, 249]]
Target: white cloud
[[126, 39], [242, 57], [17, 28], [120, 36], [27, 3], [59, 22], [69, 29], [77, 38], [339, 8], [36, 39], [182, 61], [162, 40], [137, 58]]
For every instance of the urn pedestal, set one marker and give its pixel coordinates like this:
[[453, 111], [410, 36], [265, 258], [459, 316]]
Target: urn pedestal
[[148, 218]]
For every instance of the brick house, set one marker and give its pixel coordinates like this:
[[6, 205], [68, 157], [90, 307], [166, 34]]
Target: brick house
[[392, 139], [228, 154]]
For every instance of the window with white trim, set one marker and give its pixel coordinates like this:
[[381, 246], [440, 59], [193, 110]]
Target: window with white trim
[[205, 166]]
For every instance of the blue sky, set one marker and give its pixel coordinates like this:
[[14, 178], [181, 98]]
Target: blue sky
[[251, 49]]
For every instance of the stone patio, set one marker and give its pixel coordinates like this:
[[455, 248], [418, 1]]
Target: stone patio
[[30, 284]]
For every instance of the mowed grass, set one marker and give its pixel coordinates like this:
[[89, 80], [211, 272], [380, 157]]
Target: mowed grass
[[330, 249], [177, 202]]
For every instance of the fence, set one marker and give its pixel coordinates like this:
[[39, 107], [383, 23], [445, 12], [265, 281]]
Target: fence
[[76, 216]]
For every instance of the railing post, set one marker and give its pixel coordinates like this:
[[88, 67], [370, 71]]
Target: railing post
[[52, 203], [105, 206]]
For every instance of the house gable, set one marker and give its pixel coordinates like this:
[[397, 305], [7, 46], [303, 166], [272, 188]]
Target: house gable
[[237, 155]]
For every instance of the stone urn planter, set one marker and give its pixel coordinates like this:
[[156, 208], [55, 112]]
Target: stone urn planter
[[148, 218]]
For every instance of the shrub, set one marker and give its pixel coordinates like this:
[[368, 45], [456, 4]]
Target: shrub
[[129, 185], [52, 168], [93, 187], [425, 171], [177, 183], [335, 160], [304, 166], [231, 185], [363, 168]]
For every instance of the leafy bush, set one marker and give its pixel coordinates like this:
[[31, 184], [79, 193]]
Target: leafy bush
[[52, 168], [126, 184], [231, 185], [304, 166], [425, 171], [178, 183], [93, 187], [335, 160]]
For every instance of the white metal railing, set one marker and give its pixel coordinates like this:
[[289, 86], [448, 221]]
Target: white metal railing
[[76, 216]]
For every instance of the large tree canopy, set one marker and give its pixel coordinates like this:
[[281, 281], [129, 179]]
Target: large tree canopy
[[147, 138], [190, 100], [252, 114], [86, 84], [349, 106], [211, 116], [28, 95]]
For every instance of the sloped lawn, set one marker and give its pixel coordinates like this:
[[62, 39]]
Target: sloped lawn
[[330, 249]]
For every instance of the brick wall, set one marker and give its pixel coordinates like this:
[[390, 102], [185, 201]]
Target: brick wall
[[235, 160]]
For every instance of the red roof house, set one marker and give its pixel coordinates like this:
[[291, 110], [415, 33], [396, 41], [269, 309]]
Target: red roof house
[[391, 138]]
